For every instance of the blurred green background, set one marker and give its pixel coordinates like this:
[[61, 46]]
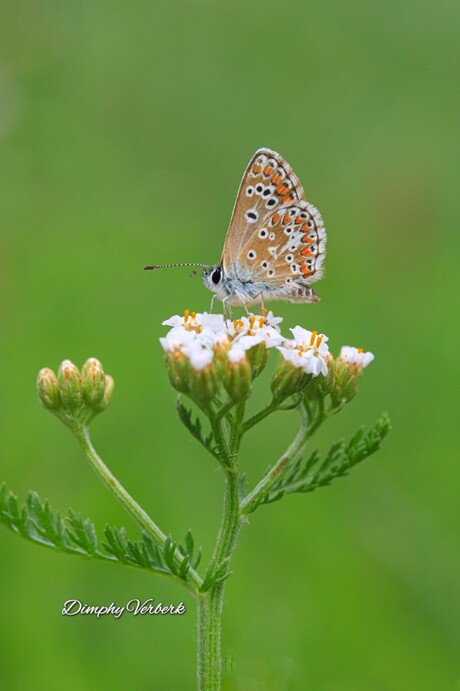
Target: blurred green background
[[124, 130]]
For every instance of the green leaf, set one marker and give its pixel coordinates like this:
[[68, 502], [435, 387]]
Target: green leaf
[[36, 522], [307, 475], [216, 574], [196, 429]]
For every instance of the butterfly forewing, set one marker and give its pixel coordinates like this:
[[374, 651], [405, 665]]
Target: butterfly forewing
[[268, 184], [288, 248]]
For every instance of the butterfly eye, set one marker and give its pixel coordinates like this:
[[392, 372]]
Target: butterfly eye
[[251, 254], [216, 275]]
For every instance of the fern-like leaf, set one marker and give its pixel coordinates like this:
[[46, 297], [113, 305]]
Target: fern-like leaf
[[36, 522], [307, 475], [195, 428]]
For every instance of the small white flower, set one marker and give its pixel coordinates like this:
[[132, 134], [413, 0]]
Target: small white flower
[[176, 339], [252, 330], [198, 356], [271, 320], [308, 351], [355, 356], [195, 321]]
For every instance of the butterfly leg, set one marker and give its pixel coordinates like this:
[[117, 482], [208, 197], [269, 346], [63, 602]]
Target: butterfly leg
[[240, 297], [226, 308], [212, 303]]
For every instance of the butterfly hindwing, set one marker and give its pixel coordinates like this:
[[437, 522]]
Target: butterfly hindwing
[[268, 184], [287, 249]]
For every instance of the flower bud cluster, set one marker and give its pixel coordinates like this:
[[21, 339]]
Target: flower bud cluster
[[204, 351], [72, 395]]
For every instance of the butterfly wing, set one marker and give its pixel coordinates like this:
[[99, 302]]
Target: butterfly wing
[[268, 183], [286, 252]]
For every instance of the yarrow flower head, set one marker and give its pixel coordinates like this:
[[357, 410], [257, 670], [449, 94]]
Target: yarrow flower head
[[307, 351], [75, 396], [206, 353]]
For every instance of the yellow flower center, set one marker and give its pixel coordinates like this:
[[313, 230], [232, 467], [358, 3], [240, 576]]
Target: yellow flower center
[[190, 322]]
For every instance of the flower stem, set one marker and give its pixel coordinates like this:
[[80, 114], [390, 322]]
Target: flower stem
[[306, 430], [265, 412], [128, 502], [210, 604]]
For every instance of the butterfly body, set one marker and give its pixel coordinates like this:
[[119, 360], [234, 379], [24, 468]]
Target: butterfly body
[[238, 288], [276, 241]]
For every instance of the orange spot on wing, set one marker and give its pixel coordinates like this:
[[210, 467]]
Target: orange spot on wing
[[282, 189], [306, 252], [286, 219], [256, 168], [276, 179], [298, 220], [304, 270], [276, 217], [287, 199], [268, 170]]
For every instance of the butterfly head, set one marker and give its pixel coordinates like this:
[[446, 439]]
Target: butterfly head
[[213, 278]]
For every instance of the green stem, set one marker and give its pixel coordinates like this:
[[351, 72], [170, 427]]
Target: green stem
[[252, 500], [210, 604], [265, 412], [127, 501]]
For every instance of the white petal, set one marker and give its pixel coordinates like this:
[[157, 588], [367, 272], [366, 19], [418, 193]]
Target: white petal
[[236, 354], [198, 356]]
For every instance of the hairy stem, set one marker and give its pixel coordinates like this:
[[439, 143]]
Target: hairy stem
[[127, 501], [210, 604], [306, 430]]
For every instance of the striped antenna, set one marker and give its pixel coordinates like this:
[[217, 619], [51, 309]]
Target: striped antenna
[[169, 266]]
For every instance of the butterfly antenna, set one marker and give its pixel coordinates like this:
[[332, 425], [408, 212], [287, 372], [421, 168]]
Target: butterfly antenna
[[169, 266]]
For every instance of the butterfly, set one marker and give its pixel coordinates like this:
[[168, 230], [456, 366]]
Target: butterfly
[[276, 241]]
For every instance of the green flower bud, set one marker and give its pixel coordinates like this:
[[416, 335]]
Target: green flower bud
[[344, 381], [69, 384], [237, 378], [288, 380], [93, 383], [257, 356], [203, 385], [108, 391], [179, 371], [47, 388]]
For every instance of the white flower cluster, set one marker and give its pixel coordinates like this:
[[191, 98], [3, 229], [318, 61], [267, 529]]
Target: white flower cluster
[[199, 337]]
